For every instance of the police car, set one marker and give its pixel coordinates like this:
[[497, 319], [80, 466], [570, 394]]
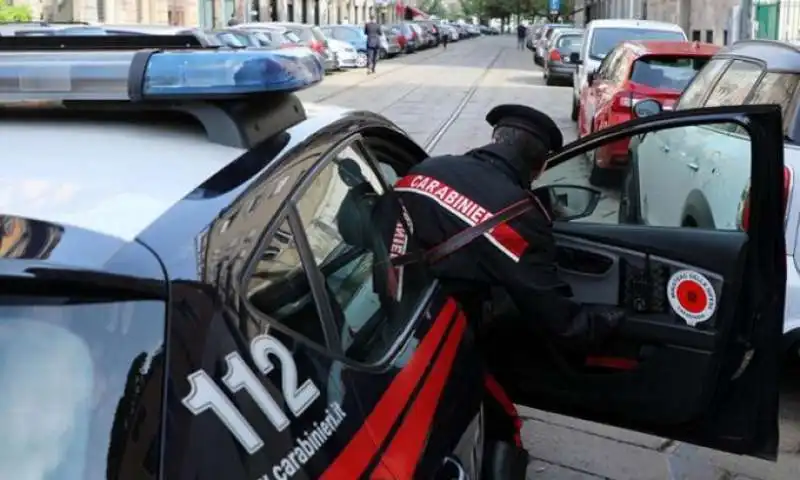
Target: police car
[[179, 299]]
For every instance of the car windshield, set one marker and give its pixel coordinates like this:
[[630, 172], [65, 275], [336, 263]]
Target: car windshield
[[76, 375], [604, 39], [569, 42], [667, 71]]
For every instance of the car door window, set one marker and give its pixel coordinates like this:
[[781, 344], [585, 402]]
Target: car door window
[[735, 84], [777, 88], [697, 90], [691, 176], [371, 301], [604, 70]]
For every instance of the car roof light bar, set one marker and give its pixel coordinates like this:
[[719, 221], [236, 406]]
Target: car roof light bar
[[153, 75]]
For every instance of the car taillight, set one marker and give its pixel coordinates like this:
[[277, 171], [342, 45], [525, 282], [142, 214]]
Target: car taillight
[[743, 220], [555, 56], [623, 102], [317, 46]]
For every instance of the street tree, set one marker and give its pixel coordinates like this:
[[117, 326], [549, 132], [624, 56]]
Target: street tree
[[15, 13]]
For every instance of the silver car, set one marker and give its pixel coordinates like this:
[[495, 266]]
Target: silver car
[[346, 55]]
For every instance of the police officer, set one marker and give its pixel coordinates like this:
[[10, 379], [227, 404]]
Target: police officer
[[445, 194]]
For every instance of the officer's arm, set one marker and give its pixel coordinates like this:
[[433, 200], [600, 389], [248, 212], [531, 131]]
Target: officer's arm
[[540, 294]]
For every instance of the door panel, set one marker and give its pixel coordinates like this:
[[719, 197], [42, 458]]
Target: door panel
[[696, 357]]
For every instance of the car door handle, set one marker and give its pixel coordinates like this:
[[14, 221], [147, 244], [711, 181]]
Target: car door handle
[[693, 166]]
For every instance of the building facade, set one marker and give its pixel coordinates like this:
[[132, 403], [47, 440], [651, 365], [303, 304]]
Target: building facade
[[214, 13], [702, 20]]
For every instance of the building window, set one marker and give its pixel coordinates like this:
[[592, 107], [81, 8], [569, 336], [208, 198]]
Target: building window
[[709, 36], [724, 37], [695, 35], [644, 9]]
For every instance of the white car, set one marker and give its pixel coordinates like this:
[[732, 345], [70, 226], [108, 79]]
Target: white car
[[346, 55], [700, 176], [602, 36]]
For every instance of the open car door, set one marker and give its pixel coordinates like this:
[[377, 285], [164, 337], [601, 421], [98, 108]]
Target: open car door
[[696, 358]]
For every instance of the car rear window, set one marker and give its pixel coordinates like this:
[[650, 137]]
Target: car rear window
[[667, 71], [605, 39], [569, 42]]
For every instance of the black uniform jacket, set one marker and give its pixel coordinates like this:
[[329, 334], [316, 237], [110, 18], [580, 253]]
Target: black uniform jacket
[[443, 195]]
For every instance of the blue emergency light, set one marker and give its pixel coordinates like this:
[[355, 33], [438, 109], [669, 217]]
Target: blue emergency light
[[153, 75]]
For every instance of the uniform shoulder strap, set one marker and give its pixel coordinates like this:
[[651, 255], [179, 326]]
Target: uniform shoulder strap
[[464, 237]]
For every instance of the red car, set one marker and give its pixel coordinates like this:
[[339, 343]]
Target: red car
[[630, 72]]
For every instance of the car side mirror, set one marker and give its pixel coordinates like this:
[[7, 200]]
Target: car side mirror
[[568, 202], [575, 57], [647, 108], [590, 78]]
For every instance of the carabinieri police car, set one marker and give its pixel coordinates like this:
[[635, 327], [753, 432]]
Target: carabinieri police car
[[179, 298]]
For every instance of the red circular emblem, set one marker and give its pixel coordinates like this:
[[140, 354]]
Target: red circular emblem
[[692, 296]]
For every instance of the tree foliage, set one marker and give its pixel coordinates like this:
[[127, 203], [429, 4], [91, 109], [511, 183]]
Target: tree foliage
[[523, 9], [15, 13]]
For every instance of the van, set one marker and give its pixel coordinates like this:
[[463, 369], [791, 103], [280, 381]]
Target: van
[[602, 36]]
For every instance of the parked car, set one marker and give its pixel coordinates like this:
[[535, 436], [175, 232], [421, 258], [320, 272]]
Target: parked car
[[423, 37], [312, 37], [603, 35], [407, 36], [352, 34], [701, 177], [429, 38], [540, 45], [557, 65], [346, 55], [451, 32], [278, 36], [206, 38], [631, 72], [390, 42]]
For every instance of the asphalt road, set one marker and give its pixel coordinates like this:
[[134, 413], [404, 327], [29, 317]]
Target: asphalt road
[[440, 98]]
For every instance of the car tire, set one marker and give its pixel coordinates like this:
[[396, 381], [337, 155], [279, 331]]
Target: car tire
[[630, 212], [574, 114], [548, 80], [598, 177], [361, 60]]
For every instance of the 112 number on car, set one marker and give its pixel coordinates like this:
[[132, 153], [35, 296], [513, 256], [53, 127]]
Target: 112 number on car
[[205, 394]]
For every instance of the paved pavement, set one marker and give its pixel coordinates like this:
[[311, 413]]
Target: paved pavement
[[420, 93]]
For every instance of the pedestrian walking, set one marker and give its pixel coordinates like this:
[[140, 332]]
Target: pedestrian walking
[[373, 32], [522, 32], [445, 35]]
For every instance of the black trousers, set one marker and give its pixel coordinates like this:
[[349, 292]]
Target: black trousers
[[521, 43], [372, 58]]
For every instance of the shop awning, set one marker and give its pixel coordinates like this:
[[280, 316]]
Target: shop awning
[[418, 13]]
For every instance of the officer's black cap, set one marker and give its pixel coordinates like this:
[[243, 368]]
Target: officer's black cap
[[531, 120]]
